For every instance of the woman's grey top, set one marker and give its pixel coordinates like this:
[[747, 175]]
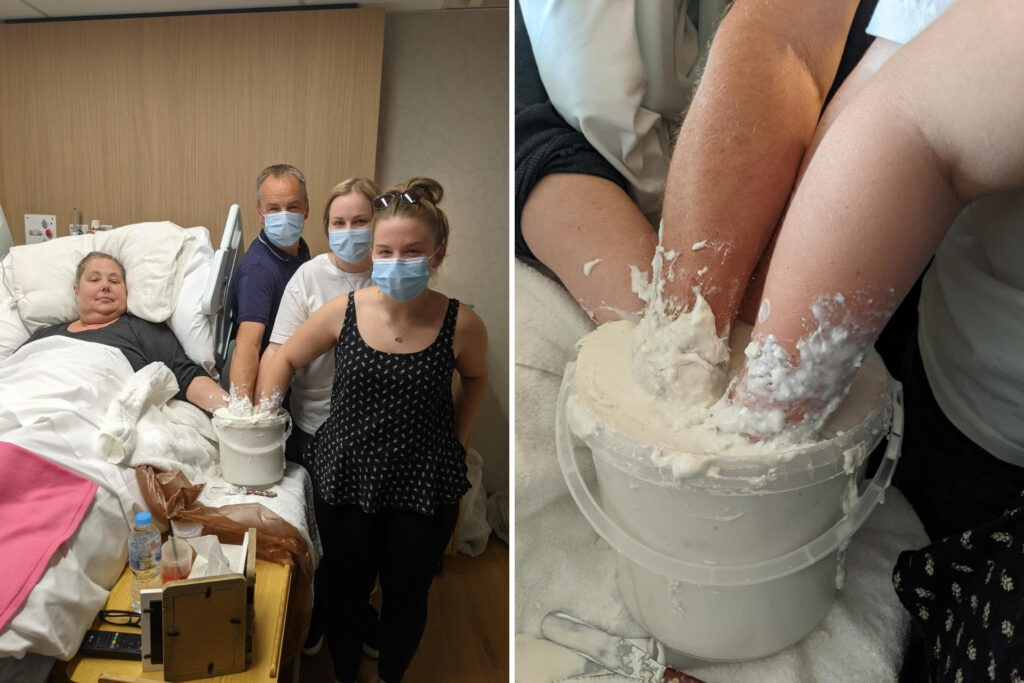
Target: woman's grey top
[[141, 342]]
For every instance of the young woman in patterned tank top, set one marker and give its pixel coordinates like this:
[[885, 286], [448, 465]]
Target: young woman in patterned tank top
[[389, 462]]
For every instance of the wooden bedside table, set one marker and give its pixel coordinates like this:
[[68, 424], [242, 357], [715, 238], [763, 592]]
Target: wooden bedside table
[[271, 605]]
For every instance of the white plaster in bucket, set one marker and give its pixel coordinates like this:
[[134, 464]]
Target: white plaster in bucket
[[743, 559], [251, 449]]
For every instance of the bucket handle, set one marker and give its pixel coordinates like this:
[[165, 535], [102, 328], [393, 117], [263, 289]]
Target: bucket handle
[[260, 451], [725, 575]]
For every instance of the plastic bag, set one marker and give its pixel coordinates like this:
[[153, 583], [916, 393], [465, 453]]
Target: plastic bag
[[170, 495], [473, 528]]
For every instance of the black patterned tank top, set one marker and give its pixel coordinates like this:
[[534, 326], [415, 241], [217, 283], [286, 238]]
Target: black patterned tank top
[[389, 442]]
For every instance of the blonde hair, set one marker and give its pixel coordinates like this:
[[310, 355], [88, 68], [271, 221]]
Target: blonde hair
[[363, 186], [425, 209]]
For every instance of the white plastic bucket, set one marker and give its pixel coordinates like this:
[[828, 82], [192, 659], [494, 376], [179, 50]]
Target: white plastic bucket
[[252, 452], [741, 564]]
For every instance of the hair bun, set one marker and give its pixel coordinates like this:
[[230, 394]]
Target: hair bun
[[434, 191]]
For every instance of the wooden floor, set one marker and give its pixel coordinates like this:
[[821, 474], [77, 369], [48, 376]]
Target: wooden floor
[[466, 638]]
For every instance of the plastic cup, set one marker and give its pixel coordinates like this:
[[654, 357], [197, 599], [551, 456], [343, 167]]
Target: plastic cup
[[175, 559], [183, 529]]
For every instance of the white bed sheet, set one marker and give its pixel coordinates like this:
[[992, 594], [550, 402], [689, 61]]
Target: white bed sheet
[[561, 563], [55, 399]]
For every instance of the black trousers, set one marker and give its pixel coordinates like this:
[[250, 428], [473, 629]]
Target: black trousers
[[402, 548]]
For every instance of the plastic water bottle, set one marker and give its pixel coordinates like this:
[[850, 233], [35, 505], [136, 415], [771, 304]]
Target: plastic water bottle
[[144, 556]]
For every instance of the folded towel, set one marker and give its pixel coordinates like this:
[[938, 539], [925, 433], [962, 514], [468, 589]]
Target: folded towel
[[145, 426], [41, 506]]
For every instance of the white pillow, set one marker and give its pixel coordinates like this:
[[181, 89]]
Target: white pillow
[[154, 256], [12, 331], [190, 325]]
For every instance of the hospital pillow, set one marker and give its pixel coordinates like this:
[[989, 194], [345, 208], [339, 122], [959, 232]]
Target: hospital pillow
[[158, 258], [153, 255], [12, 331], [190, 325]]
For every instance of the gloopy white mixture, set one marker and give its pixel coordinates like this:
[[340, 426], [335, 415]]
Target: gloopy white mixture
[[240, 408], [664, 380]]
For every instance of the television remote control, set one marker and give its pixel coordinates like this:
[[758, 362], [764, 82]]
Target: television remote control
[[112, 645]]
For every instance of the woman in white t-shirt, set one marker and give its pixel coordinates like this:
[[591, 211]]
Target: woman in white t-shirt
[[347, 218]]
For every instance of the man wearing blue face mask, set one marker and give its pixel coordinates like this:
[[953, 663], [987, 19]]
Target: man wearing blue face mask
[[268, 264]]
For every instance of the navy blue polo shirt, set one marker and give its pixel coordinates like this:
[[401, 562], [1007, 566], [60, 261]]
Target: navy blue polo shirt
[[262, 276]]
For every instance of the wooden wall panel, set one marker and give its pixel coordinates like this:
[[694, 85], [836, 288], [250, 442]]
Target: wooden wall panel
[[172, 118]]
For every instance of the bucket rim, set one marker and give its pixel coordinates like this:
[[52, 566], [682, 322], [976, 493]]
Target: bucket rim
[[714, 574], [246, 421]]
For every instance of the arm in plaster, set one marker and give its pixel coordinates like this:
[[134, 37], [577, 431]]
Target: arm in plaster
[[245, 360], [769, 69], [936, 128], [204, 392], [313, 338], [872, 60], [265, 359], [571, 220]]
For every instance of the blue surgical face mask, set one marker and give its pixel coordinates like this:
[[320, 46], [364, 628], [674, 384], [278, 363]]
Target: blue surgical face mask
[[283, 228], [402, 279], [351, 245]]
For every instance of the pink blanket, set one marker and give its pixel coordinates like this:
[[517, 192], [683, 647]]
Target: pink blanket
[[41, 506]]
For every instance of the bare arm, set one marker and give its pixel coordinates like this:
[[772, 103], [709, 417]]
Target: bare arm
[[876, 55], [245, 361], [937, 127], [589, 232], [471, 364], [752, 117], [205, 393], [310, 341], [269, 353]]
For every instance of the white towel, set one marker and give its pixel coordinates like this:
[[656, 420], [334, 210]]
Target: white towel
[[561, 563], [144, 425]]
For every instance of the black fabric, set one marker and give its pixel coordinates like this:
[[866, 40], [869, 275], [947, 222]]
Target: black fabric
[[262, 276], [963, 590], [964, 598], [403, 548], [952, 483], [141, 342], [857, 43], [295, 447], [545, 143], [389, 441]]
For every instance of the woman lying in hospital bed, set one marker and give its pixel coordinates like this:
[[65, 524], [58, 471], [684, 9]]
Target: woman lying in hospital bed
[[101, 409], [103, 318]]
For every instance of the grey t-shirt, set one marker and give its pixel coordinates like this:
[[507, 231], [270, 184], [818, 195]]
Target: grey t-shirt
[[141, 342]]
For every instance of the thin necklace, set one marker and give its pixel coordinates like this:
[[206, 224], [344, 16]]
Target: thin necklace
[[400, 338]]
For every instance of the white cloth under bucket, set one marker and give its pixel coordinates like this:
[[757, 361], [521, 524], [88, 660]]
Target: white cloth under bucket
[[252, 450]]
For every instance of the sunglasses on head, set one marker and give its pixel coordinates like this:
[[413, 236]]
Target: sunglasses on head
[[410, 196]]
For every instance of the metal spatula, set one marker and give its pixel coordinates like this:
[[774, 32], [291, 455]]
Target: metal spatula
[[610, 651]]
